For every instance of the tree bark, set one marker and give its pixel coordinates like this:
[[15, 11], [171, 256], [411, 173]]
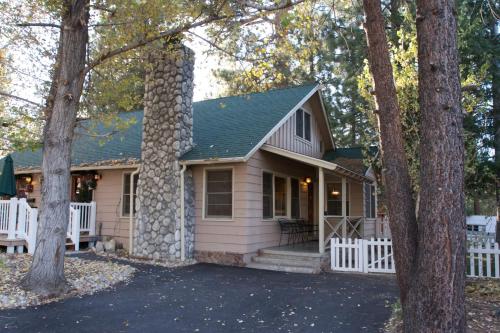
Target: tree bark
[[495, 90], [430, 255], [437, 296], [46, 275], [400, 204]]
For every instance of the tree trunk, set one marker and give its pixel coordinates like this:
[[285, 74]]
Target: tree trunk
[[430, 259], [495, 89], [400, 204], [46, 275], [437, 294]]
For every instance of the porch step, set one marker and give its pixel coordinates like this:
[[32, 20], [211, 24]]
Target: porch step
[[279, 253], [286, 261], [281, 268]]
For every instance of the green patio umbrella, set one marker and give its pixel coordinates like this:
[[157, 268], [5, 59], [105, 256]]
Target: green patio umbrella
[[7, 178]]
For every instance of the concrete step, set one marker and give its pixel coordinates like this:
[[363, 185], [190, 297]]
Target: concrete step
[[295, 254], [286, 261], [288, 269]]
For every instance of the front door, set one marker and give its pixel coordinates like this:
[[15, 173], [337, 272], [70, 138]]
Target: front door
[[310, 202]]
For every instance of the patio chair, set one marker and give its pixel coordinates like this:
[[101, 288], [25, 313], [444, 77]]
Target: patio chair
[[306, 229], [288, 228]]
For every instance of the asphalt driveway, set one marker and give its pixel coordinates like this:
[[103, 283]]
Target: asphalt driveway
[[211, 298]]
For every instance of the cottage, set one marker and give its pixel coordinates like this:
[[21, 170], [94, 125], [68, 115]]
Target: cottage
[[233, 180]]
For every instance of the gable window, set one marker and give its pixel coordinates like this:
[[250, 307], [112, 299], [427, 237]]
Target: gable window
[[126, 192], [334, 199], [280, 196], [219, 193], [295, 194], [303, 124], [307, 126], [267, 195]]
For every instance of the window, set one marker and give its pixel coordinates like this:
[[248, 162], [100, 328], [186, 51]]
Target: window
[[295, 192], [334, 199], [370, 202], [126, 193], [307, 126], [219, 194], [303, 124], [299, 123], [279, 196], [267, 195]]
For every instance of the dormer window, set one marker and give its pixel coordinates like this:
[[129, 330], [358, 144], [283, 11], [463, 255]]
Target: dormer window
[[303, 124]]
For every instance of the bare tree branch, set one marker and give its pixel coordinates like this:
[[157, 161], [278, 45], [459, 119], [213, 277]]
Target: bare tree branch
[[29, 24], [5, 94], [184, 28]]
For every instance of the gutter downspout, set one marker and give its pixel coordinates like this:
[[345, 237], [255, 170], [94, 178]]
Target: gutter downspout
[[183, 251], [131, 214]]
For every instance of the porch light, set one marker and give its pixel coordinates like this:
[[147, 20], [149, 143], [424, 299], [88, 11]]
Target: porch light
[[97, 176], [27, 179], [335, 192], [308, 180]]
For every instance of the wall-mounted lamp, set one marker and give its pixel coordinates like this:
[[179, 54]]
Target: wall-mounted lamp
[[308, 180], [97, 176], [28, 179]]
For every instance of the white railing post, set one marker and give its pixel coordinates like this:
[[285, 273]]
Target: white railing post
[[21, 221], [93, 210], [11, 232], [76, 229], [32, 230]]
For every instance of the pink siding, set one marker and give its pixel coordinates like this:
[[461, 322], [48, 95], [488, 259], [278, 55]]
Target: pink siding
[[247, 232], [285, 136]]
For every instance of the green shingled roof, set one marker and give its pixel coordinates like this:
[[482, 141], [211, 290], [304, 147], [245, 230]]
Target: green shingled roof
[[222, 128], [350, 158]]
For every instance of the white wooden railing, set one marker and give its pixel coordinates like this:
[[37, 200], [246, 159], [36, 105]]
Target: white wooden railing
[[376, 255], [343, 227], [87, 216], [382, 229], [73, 232], [18, 221]]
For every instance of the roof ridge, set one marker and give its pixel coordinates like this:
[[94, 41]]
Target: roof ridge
[[312, 83]]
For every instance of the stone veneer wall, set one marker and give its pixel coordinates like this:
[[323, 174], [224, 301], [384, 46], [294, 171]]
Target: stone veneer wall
[[167, 134]]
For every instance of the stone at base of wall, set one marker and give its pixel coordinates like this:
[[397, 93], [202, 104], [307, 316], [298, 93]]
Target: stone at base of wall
[[222, 258]]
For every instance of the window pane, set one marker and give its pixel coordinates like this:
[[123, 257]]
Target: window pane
[[126, 204], [126, 183], [334, 199], [267, 195], [299, 123], [219, 193], [307, 126], [295, 198], [280, 196]]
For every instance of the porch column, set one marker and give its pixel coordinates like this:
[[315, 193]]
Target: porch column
[[344, 207], [321, 209]]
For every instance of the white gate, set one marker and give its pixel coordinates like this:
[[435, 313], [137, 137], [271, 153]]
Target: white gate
[[378, 256], [346, 254]]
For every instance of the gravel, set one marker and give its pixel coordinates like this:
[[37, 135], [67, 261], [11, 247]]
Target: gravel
[[85, 276]]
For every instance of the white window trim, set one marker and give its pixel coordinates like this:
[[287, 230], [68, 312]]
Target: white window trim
[[288, 195], [203, 208], [302, 138], [124, 173]]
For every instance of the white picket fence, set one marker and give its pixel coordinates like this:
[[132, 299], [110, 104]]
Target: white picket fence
[[18, 221], [483, 259], [376, 256], [362, 255]]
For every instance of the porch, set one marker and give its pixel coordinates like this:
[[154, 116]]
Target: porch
[[19, 223], [340, 202]]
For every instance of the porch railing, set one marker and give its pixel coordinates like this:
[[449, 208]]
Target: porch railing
[[19, 221], [343, 227], [87, 216]]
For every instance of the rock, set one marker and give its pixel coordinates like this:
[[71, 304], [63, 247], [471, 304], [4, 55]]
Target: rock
[[110, 246], [99, 247]]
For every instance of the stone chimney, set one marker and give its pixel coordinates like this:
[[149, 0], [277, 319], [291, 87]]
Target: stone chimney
[[166, 135]]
